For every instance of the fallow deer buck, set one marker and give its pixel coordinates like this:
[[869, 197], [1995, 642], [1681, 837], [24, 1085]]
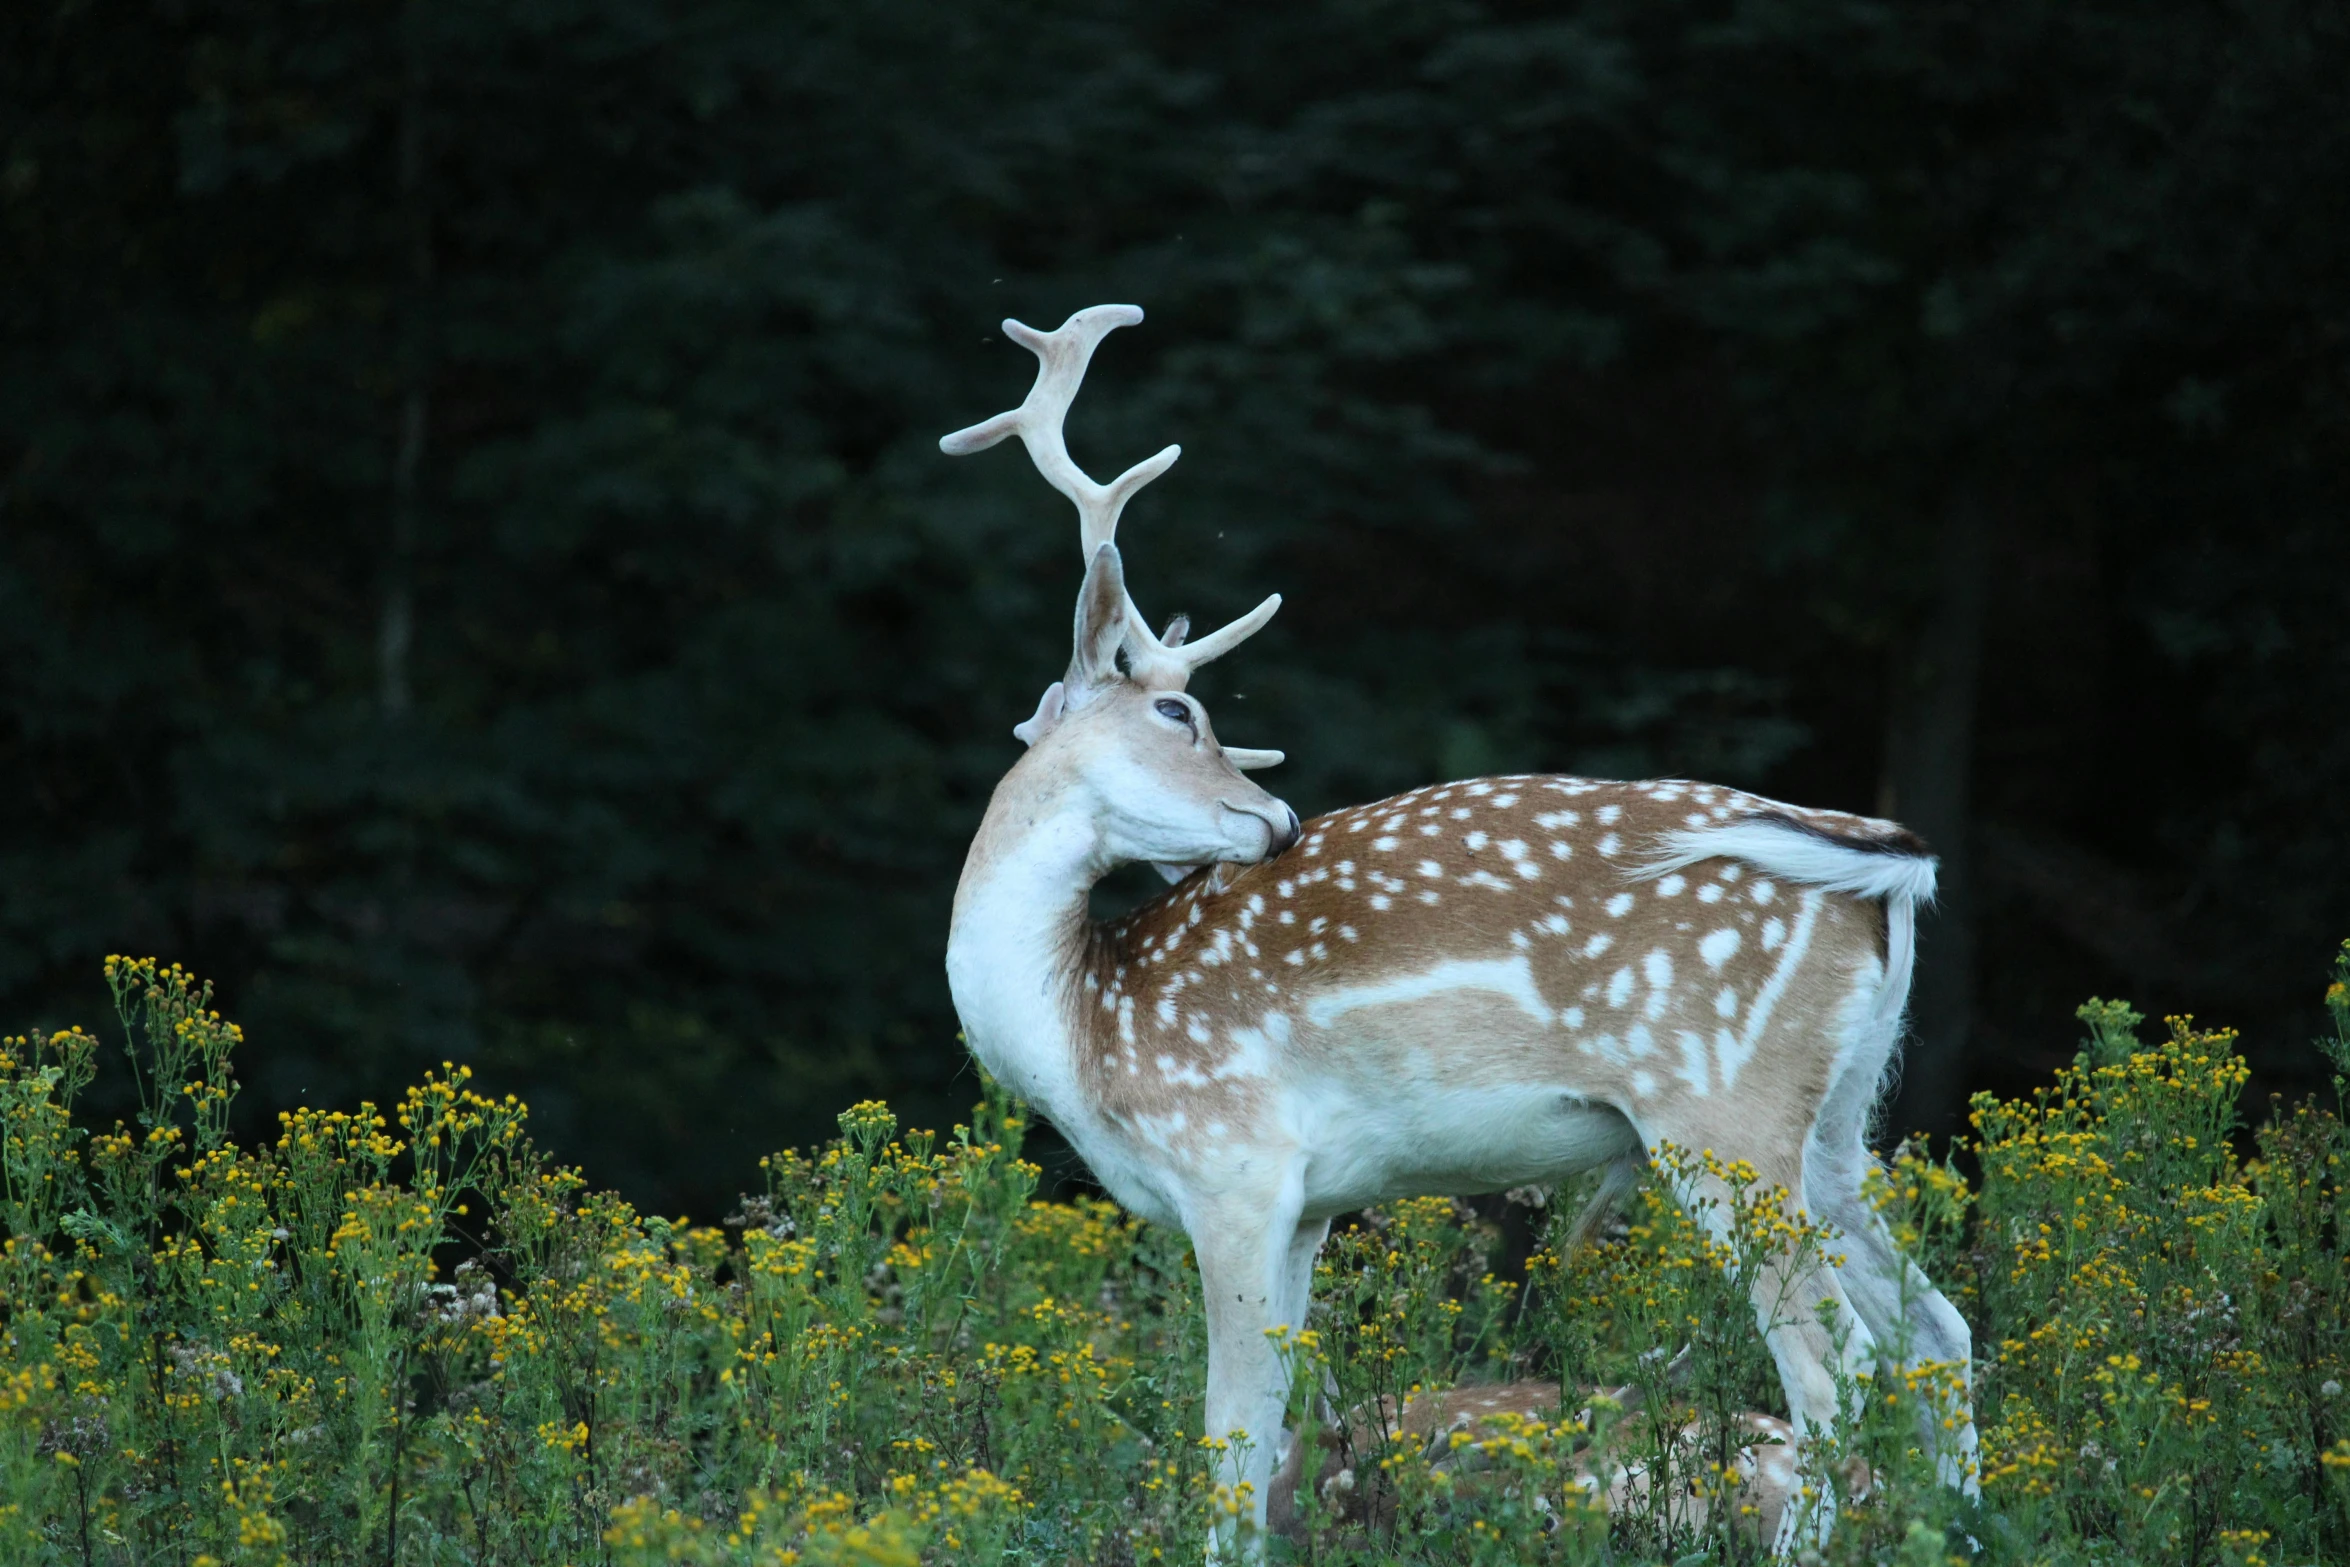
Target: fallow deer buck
[[1468, 987]]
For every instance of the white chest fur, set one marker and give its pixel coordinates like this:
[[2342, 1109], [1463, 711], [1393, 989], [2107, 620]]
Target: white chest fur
[[1016, 1021], [1013, 1016]]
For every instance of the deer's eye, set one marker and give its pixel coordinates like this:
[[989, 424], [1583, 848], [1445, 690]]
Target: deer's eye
[[1170, 708]]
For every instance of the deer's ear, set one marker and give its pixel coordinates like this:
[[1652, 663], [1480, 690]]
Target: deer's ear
[[1101, 622], [1048, 713]]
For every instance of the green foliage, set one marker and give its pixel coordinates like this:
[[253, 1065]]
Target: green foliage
[[231, 1354], [2156, 1379]]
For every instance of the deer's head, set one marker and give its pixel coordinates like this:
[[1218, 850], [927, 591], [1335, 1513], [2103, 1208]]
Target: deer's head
[[1118, 735]]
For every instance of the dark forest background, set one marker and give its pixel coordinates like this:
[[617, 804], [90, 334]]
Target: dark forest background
[[477, 577]]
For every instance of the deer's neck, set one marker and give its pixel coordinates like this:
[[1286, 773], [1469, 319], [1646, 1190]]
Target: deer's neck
[[1019, 947]]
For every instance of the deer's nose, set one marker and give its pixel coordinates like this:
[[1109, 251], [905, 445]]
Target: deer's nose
[[1285, 836]]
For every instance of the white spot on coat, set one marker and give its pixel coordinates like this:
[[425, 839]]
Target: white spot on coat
[[1695, 1069], [1737, 1051]]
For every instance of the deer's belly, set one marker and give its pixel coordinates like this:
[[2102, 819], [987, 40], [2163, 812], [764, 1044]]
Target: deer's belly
[[1429, 1138]]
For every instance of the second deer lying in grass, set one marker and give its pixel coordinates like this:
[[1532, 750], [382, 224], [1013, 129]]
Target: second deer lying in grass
[[1609, 1459]]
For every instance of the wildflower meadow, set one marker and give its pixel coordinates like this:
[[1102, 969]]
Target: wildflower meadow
[[405, 1335]]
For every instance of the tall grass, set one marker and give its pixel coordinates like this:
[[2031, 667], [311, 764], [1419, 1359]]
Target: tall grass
[[412, 1338]]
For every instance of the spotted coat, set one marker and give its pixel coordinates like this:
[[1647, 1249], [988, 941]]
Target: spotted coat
[[1497, 932]]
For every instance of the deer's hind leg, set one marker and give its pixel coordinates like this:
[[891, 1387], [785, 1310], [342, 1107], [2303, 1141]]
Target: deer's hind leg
[[1901, 1306], [1763, 1115], [1908, 1315], [1815, 1337], [1806, 1318], [1905, 1312]]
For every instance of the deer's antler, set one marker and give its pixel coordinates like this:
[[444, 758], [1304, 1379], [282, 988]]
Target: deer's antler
[[1061, 358]]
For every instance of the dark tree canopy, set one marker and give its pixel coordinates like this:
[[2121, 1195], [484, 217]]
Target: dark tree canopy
[[477, 577]]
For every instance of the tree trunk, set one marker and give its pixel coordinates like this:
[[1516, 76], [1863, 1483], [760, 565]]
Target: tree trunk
[[1928, 786], [396, 629]]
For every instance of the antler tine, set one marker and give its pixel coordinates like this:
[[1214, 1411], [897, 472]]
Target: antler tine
[[1061, 358], [1159, 665], [1224, 639]]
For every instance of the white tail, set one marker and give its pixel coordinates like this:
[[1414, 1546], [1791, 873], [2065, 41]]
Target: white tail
[[1467, 987], [1778, 839]]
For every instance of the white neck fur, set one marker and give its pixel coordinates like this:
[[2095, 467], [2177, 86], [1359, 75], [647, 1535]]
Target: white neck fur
[[1017, 944]]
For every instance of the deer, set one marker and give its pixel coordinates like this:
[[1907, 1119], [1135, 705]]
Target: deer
[[1617, 1471], [1463, 988]]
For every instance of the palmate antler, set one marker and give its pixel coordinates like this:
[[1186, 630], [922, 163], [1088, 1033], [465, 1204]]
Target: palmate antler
[[1156, 663]]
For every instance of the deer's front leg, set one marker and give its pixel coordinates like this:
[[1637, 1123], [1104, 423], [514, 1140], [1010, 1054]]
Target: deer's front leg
[[1244, 1240]]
